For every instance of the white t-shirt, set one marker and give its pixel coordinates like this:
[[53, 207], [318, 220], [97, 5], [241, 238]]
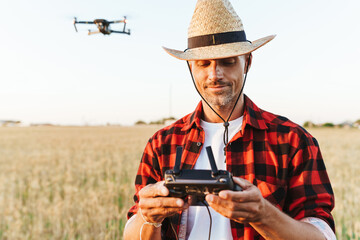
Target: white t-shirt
[[198, 221]]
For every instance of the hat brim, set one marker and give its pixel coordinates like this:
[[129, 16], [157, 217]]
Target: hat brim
[[219, 51]]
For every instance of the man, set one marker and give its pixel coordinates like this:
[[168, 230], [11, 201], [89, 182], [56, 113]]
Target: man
[[286, 191]]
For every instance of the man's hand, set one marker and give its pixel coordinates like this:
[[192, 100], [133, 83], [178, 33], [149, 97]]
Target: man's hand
[[155, 205], [247, 206]]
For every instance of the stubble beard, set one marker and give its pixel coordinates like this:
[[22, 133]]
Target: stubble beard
[[221, 100]]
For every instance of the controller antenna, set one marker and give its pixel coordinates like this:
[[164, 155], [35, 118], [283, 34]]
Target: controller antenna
[[214, 170], [179, 151]]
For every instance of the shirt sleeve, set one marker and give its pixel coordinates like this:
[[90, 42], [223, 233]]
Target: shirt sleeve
[[148, 173], [309, 190], [322, 226]]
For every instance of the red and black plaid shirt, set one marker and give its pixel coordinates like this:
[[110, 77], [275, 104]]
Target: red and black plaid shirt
[[281, 158]]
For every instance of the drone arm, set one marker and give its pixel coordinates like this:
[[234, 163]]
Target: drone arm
[[80, 22], [85, 22], [128, 32], [118, 21]]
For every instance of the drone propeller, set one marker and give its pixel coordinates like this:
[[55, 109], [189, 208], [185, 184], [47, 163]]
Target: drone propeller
[[75, 21]]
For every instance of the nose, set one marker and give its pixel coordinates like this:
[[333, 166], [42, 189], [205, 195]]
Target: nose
[[215, 71]]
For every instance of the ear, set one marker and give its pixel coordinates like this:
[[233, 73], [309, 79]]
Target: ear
[[248, 59]]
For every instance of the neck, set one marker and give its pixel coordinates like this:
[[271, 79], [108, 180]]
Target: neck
[[223, 111]]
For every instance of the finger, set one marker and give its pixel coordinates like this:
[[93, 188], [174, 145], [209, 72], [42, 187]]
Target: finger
[[232, 205], [250, 195], [239, 216], [243, 212], [243, 183], [156, 214], [214, 204], [161, 202], [154, 190], [218, 201]]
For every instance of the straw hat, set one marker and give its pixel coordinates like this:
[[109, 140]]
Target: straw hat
[[216, 31]]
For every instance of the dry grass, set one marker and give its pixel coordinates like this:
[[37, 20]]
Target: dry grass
[[341, 151], [77, 183], [67, 183]]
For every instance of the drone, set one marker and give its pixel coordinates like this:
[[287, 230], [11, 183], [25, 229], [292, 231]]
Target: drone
[[103, 26]]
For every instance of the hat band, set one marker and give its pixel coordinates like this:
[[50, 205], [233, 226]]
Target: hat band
[[216, 39]]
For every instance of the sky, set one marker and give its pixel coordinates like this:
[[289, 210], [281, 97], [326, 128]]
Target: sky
[[51, 74]]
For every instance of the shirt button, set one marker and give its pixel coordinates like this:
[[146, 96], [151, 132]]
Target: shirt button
[[198, 144]]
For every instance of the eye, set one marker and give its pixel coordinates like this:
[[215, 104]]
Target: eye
[[203, 63], [228, 61]]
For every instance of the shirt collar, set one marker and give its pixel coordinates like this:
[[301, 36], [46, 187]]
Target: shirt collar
[[252, 116], [194, 118]]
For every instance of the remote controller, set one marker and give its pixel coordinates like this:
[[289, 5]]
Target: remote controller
[[198, 183]]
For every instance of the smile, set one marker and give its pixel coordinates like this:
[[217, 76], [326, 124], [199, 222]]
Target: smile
[[217, 88]]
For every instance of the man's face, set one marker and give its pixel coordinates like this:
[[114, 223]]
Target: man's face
[[219, 80]]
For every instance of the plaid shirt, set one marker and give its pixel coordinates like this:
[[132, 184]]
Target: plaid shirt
[[281, 158]]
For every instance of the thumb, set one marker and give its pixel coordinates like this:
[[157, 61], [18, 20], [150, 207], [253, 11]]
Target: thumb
[[243, 183]]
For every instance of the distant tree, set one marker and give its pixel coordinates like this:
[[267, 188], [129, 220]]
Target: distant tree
[[140, 122], [328, 124], [162, 121], [158, 122], [357, 122], [169, 118], [308, 124]]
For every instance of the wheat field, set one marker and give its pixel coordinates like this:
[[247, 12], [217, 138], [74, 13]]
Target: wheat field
[[77, 182]]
